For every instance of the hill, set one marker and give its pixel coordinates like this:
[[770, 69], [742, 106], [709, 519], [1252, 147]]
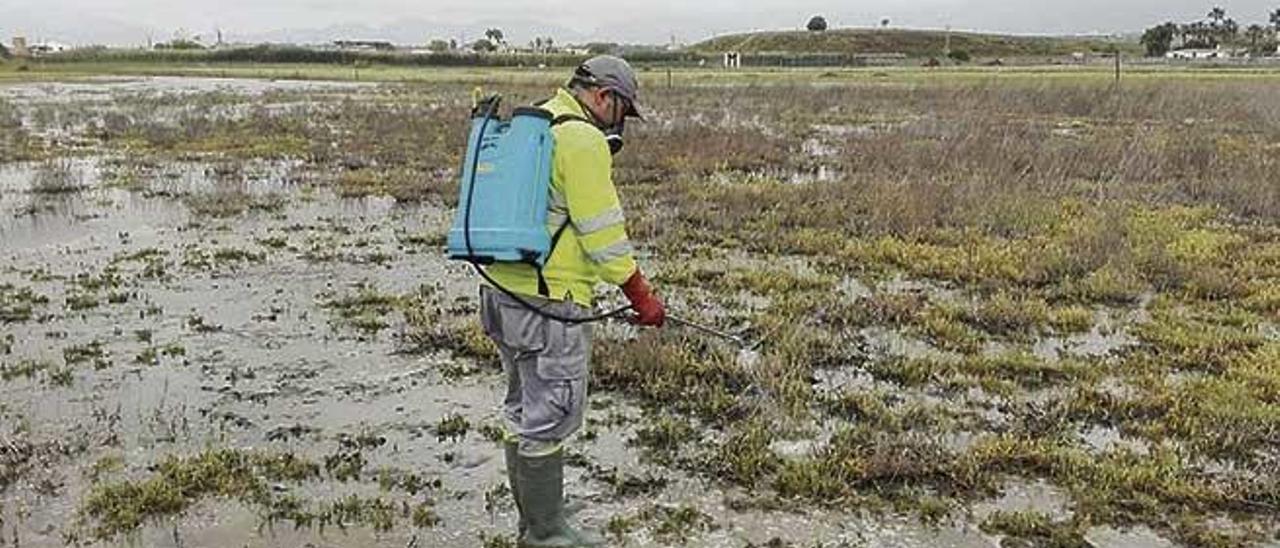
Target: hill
[[913, 43]]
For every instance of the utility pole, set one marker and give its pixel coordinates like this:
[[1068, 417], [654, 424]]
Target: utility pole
[[946, 50]]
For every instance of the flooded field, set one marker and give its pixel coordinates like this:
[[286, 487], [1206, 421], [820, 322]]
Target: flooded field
[[227, 319]]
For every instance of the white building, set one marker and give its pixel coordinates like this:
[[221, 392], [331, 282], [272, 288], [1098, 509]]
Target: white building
[[364, 45], [1199, 53], [20, 47], [44, 48]]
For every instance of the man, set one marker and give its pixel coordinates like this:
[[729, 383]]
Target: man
[[545, 359]]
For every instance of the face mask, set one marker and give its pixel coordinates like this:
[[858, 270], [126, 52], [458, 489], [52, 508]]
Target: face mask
[[613, 136]]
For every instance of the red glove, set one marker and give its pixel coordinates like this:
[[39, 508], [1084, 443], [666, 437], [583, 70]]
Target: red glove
[[648, 307]]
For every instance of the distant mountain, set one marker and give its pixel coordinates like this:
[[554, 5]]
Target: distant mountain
[[81, 28], [417, 31], [71, 27]]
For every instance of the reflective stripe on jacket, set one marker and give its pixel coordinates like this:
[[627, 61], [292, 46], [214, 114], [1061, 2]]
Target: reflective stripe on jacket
[[594, 247]]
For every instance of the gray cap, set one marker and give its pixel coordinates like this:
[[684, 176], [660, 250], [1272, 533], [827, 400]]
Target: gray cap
[[612, 73]]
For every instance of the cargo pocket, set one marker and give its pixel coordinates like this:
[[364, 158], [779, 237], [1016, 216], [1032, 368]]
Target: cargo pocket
[[510, 325], [561, 397], [568, 348], [564, 404], [490, 318]]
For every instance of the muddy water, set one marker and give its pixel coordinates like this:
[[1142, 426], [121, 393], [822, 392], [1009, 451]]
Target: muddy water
[[107, 88], [213, 334], [262, 357], [268, 358]]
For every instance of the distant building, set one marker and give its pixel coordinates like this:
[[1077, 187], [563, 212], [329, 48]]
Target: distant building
[[20, 47], [364, 45], [732, 60], [1200, 53], [45, 48]]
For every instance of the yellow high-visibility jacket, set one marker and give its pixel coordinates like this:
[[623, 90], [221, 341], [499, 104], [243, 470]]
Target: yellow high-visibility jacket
[[594, 246]]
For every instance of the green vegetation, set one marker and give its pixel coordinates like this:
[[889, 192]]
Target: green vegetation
[[670, 524], [18, 304], [959, 281], [1037, 529], [452, 427], [180, 482], [232, 203], [431, 325], [1218, 31], [93, 353], [913, 43], [293, 54], [204, 259]]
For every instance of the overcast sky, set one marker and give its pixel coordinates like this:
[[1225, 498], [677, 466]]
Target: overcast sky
[[653, 21]]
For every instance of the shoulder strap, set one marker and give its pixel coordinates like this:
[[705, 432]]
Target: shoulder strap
[[570, 118], [563, 117], [543, 289]]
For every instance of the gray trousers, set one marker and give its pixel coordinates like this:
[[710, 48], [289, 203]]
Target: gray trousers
[[546, 365]]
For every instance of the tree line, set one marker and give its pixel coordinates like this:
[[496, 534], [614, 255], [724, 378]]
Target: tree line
[[1214, 31]]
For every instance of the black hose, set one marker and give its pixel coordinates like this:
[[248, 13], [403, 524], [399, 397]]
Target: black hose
[[475, 164], [543, 312]]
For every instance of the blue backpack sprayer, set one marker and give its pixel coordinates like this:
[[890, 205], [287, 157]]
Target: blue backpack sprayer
[[504, 193]]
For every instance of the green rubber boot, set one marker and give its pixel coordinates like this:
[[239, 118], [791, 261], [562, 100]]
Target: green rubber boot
[[541, 482], [511, 457]]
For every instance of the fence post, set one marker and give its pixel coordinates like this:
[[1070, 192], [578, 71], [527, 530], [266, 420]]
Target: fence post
[[1117, 50]]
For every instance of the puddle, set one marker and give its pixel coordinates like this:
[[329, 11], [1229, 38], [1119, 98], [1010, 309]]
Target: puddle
[[738, 527], [815, 148], [899, 285], [1104, 338], [95, 212], [817, 174], [1074, 129], [62, 113], [847, 379], [1131, 537], [1034, 496], [1103, 439], [820, 174], [854, 131], [888, 342], [1098, 342], [853, 289], [103, 88], [1269, 330]]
